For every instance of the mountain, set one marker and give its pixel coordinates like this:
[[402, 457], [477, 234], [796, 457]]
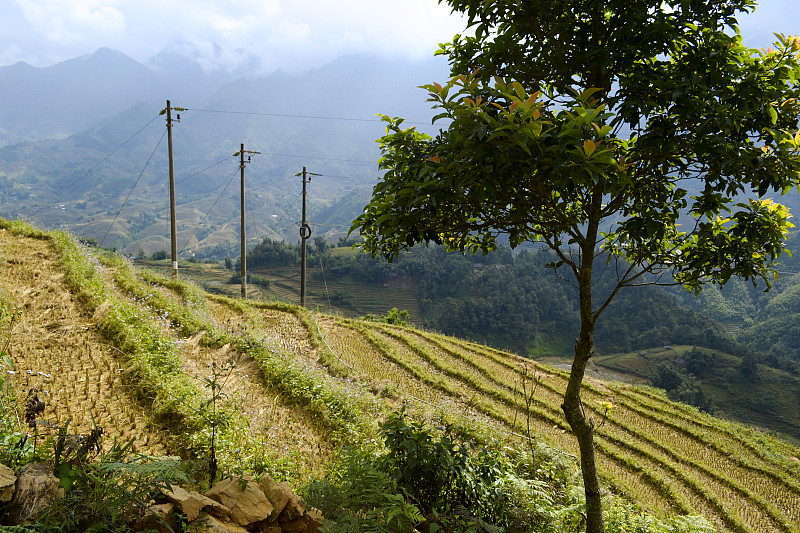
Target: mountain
[[70, 96], [108, 180], [60, 100]]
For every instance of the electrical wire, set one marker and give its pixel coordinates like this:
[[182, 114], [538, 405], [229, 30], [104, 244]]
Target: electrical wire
[[322, 158], [233, 175], [68, 187], [201, 171], [133, 187], [314, 117], [253, 217], [324, 281]]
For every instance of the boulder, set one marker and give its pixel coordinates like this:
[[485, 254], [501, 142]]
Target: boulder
[[269, 529], [191, 503], [158, 517], [278, 495], [302, 524], [37, 489], [295, 508], [244, 498], [7, 482], [209, 524]]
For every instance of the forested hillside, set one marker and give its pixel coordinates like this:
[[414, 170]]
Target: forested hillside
[[511, 300], [767, 322]]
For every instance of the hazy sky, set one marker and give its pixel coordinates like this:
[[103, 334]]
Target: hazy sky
[[290, 34]]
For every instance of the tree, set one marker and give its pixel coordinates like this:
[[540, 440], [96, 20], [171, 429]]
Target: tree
[[627, 132]]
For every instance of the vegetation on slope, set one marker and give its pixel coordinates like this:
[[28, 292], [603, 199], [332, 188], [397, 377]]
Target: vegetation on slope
[[327, 380]]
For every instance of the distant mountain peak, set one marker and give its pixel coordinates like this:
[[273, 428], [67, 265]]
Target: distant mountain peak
[[207, 56]]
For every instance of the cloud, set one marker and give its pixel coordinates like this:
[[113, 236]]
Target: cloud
[[72, 21], [288, 34], [285, 33]]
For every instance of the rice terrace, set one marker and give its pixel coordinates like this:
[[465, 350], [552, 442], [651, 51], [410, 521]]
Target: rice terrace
[[106, 343]]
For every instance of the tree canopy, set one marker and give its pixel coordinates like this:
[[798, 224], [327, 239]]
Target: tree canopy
[[641, 133]]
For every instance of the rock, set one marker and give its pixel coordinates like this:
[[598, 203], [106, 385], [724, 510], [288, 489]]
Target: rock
[[269, 529], [295, 508], [209, 524], [37, 489], [244, 498], [191, 503], [315, 519], [303, 524], [158, 518], [7, 482], [278, 495]]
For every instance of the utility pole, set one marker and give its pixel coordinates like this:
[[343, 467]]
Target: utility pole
[[173, 224], [241, 153], [305, 233]]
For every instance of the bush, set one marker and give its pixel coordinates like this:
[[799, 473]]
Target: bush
[[109, 493], [359, 496], [425, 479]]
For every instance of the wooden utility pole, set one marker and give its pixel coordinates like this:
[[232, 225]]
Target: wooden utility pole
[[244, 240], [242, 162], [305, 233], [173, 224]]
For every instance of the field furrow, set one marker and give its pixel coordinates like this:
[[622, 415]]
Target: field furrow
[[124, 346], [56, 350], [764, 514]]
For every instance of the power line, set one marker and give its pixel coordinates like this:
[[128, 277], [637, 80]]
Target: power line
[[252, 216], [209, 211], [322, 158], [126, 141], [106, 157], [132, 188], [313, 117], [201, 171]]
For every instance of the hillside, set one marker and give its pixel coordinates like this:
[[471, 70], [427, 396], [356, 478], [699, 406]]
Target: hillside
[[105, 176], [124, 346]]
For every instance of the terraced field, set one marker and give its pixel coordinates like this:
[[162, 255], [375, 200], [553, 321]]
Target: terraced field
[[306, 383]]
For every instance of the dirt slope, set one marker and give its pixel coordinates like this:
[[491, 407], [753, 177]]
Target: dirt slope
[[57, 350]]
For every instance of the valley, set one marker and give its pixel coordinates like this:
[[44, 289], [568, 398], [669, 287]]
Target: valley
[[327, 379]]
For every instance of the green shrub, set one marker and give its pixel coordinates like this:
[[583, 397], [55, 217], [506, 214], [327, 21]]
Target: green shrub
[[108, 494], [359, 496], [443, 474]]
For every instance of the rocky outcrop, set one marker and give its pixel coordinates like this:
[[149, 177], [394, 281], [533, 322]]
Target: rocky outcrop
[[191, 503], [7, 482], [244, 499], [36, 489], [235, 505]]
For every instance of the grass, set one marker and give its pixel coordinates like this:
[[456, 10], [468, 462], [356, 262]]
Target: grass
[[308, 384], [771, 401]]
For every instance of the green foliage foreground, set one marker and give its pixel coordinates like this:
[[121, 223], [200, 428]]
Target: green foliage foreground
[[435, 480], [642, 134]]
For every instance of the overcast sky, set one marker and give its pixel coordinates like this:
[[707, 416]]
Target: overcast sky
[[289, 34]]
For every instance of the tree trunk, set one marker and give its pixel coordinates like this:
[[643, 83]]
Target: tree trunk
[[583, 427]]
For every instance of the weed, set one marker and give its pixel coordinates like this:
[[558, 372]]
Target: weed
[[110, 493], [215, 418]]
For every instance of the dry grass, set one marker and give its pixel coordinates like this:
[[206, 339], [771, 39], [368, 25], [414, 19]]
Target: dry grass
[[56, 349]]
